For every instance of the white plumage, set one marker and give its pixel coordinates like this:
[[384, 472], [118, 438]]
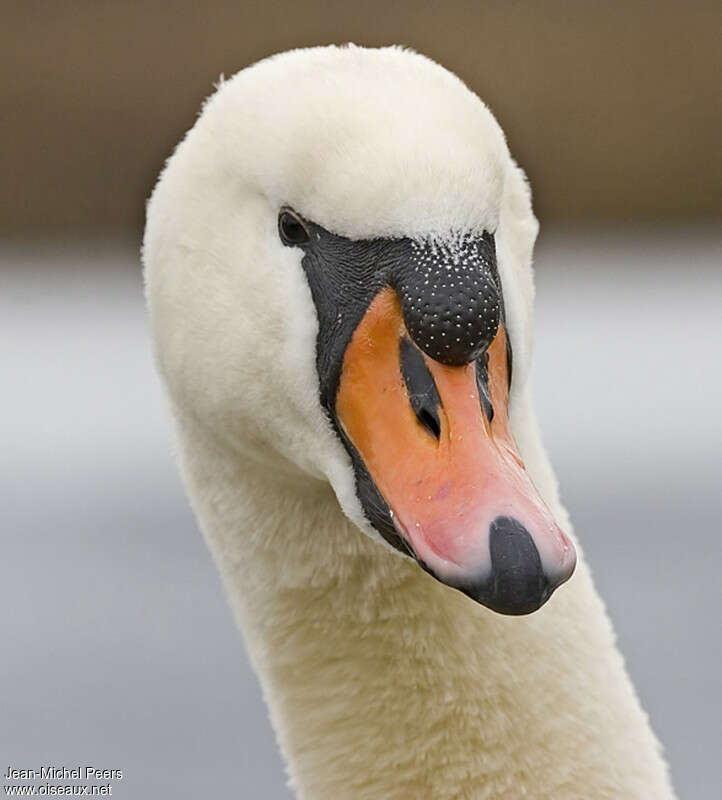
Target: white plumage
[[380, 681]]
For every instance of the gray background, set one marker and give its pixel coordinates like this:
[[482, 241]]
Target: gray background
[[116, 646], [118, 649]]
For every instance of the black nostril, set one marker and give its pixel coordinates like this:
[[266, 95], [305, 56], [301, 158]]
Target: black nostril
[[430, 420], [482, 385], [517, 584], [423, 394]]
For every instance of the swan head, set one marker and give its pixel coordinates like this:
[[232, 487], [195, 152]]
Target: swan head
[[338, 272]]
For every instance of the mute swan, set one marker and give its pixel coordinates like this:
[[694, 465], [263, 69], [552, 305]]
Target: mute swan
[[338, 271]]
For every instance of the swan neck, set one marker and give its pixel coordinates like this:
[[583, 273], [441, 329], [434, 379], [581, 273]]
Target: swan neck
[[382, 682]]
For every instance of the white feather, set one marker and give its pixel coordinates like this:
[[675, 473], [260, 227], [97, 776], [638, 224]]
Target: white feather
[[380, 681]]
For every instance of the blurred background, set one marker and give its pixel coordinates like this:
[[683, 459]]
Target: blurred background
[[118, 648]]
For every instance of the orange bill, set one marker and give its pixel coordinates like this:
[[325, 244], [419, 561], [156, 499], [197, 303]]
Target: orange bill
[[437, 443]]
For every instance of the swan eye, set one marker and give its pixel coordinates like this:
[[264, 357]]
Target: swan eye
[[292, 229]]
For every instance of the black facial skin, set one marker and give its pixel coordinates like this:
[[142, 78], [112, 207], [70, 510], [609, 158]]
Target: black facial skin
[[452, 304]]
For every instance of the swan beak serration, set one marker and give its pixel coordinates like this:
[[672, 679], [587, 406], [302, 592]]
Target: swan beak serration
[[436, 441]]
